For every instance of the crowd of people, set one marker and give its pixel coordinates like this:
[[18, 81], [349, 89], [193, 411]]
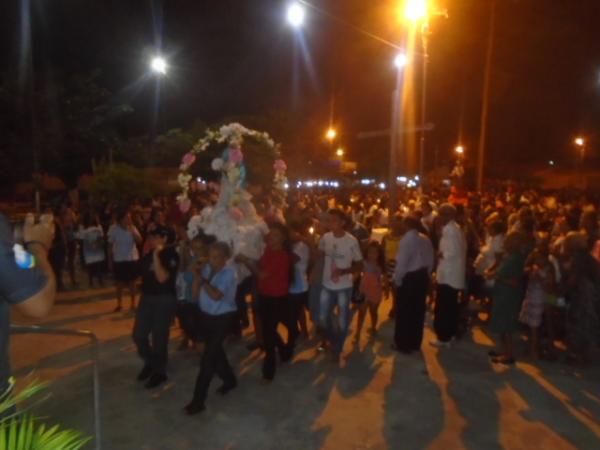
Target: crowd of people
[[516, 261]]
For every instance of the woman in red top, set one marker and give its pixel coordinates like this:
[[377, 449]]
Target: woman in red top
[[274, 272]]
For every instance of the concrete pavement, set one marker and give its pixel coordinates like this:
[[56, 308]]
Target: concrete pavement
[[443, 399]]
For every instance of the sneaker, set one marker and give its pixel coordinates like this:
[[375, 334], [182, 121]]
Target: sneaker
[[155, 380], [145, 373], [440, 344]]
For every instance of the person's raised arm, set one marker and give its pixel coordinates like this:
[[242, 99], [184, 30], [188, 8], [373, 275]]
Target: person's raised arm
[[38, 239]]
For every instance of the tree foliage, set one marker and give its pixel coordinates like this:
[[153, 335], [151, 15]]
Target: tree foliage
[[121, 183]]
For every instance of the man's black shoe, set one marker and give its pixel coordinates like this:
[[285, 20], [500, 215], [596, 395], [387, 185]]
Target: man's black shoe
[[223, 390], [145, 373], [155, 380]]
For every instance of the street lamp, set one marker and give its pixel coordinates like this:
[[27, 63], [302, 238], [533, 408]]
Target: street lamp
[[296, 15], [415, 10], [340, 152], [400, 61], [331, 134], [159, 65], [580, 142], [459, 150]]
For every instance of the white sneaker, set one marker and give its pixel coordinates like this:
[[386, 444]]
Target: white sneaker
[[440, 344]]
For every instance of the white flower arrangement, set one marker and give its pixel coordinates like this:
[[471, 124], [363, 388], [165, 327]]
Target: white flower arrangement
[[233, 135]]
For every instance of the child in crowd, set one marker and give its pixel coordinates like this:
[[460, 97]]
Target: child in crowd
[[91, 235], [193, 256], [372, 285], [541, 284], [299, 286]]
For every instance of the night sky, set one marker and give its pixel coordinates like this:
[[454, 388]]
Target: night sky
[[235, 57]]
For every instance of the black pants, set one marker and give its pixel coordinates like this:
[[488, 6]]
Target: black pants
[[153, 318], [410, 311], [95, 270], [275, 310], [445, 323], [214, 360], [188, 315], [56, 257], [244, 288]]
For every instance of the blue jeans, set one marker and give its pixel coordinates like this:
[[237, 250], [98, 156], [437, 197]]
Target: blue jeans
[[337, 330]]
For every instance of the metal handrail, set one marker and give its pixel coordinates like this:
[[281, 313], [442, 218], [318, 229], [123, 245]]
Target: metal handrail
[[25, 329]]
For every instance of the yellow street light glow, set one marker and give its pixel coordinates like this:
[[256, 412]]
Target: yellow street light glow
[[340, 152], [415, 10], [331, 134], [401, 60], [459, 149], [580, 141]]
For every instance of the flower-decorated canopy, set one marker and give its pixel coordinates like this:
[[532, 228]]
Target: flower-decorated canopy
[[237, 157]]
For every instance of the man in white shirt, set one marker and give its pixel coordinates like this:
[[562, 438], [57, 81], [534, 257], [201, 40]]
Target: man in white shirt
[[343, 258], [450, 276], [414, 263]]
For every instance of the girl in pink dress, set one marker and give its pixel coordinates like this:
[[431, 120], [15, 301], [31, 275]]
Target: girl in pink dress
[[371, 287]]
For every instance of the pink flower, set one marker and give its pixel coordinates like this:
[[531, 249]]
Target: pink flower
[[236, 155], [236, 214], [280, 165], [185, 205], [188, 159]]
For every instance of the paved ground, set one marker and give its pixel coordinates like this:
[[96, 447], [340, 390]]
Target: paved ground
[[448, 399]]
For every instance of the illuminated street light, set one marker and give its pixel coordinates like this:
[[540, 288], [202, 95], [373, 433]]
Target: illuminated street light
[[340, 152], [415, 10], [331, 134], [296, 15], [459, 150], [159, 65], [580, 142], [400, 61]]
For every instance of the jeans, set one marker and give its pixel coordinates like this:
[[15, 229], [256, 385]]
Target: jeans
[[337, 330], [274, 310], [214, 360], [153, 317]]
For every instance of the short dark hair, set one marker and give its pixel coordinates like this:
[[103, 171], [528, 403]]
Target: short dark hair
[[337, 213], [222, 247]]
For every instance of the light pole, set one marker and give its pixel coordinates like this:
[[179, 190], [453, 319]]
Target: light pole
[[580, 144], [417, 11], [400, 63], [159, 68], [485, 104]]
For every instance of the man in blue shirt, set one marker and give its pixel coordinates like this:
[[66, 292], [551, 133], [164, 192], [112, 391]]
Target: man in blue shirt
[[215, 286], [31, 287]]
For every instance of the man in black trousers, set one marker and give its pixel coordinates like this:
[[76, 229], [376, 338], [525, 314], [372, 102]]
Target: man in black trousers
[[157, 306], [414, 263]]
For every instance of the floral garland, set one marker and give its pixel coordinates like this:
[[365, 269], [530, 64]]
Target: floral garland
[[231, 163]]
